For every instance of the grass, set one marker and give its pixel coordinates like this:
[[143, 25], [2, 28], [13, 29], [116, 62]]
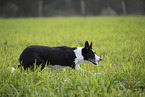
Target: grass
[[118, 40]]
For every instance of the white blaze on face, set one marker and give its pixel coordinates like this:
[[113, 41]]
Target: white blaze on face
[[97, 58]]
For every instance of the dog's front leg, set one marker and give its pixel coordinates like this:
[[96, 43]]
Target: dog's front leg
[[77, 67]]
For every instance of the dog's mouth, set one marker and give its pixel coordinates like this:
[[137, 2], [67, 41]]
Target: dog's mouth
[[93, 61]]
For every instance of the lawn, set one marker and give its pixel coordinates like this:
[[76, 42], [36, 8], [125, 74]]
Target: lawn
[[119, 41]]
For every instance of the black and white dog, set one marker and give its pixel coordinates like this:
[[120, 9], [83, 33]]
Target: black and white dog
[[62, 56]]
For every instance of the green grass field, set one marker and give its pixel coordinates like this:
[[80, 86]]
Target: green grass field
[[119, 41]]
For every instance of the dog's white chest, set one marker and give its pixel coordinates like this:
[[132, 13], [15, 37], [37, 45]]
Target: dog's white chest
[[79, 58]]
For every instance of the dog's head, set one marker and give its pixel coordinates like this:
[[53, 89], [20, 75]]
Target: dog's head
[[89, 54]]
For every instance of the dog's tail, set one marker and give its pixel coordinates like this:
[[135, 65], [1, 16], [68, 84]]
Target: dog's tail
[[12, 69], [19, 66], [21, 63]]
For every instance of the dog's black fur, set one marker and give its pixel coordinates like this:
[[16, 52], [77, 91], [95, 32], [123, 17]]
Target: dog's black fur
[[52, 55]]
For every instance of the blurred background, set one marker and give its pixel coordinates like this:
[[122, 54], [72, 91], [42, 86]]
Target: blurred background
[[47, 8]]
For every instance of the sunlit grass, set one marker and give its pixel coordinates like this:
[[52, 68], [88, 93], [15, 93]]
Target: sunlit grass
[[118, 40]]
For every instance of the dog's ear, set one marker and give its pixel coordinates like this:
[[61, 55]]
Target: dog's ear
[[86, 45], [91, 45]]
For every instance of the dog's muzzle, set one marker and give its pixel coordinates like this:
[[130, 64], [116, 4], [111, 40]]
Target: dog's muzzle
[[94, 61]]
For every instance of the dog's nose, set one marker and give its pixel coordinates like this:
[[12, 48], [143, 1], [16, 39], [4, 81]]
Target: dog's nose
[[100, 59]]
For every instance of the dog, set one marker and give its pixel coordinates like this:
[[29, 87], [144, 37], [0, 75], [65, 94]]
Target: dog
[[62, 56]]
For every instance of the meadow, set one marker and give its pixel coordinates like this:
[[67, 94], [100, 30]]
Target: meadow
[[119, 41]]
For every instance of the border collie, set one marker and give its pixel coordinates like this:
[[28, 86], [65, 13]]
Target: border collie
[[62, 56]]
